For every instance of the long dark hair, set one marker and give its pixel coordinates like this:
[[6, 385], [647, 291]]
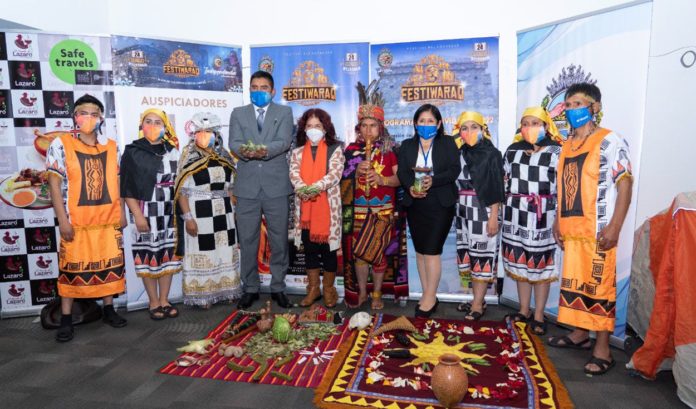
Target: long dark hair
[[436, 113], [324, 118]]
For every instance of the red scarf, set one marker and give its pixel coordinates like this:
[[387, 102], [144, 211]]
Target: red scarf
[[315, 214]]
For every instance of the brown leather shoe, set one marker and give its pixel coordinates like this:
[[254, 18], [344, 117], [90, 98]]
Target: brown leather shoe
[[330, 293], [313, 292]]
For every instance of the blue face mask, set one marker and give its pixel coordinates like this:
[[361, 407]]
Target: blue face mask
[[578, 117], [426, 131], [260, 98]]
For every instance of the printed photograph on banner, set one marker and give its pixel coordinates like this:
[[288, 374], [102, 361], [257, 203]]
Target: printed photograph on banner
[[317, 76], [455, 75], [24, 186], [4, 75], [150, 63], [7, 137], [8, 159], [12, 242], [9, 212], [22, 46], [27, 103], [14, 268], [15, 295]]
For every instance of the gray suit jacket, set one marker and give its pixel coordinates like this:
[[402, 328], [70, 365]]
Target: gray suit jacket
[[272, 173]]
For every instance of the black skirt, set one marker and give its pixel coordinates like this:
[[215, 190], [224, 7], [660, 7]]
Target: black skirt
[[429, 223]]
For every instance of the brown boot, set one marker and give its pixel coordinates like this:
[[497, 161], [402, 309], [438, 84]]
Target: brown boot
[[330, 293], [313, 292]]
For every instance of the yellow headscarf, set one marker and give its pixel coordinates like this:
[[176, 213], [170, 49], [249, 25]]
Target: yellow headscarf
[[469, 116], [169, 134], [543, 114]]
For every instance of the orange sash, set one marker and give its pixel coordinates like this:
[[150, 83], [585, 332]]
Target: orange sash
[[588, 284], [92, 265], [315, 214]]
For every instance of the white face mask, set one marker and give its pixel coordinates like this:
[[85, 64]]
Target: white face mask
[[314, 135]]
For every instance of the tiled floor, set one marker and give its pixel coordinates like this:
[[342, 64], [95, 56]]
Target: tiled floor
[[117, 368]]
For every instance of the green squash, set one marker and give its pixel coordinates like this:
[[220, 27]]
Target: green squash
[[281, 329]]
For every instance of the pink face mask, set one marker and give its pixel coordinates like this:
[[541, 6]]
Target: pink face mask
[[533, 134], [152, 132], [87, 123], [472, 137], [205, 139]]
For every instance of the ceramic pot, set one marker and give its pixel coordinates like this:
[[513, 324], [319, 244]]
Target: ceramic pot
[[449, 380]]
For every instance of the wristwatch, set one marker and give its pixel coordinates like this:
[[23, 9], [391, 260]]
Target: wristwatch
[[187, 216]]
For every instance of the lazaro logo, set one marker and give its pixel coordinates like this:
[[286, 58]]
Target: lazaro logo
[[309, 85], [24, 48], [25, 75], [432, 80], [13, 269], [180, 64], [16, 292], [59, 103]]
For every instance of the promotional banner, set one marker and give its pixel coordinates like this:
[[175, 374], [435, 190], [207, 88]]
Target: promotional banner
[[320, 76], [592, 49], [456, 76], [41, 75], [182, 79]]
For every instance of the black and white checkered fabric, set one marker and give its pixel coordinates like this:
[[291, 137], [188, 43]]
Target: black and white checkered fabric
[[528, 243]]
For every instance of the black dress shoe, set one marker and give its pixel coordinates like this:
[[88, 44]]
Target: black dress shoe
[[247, 300], [281, 299], [426, 314]]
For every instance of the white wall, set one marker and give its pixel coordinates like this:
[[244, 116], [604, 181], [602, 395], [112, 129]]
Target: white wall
[[311, 21], [668, 160]]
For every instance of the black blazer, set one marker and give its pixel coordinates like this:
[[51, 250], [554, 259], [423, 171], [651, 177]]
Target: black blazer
[[445, 171]]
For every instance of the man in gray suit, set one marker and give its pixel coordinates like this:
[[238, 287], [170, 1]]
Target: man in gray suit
[[262, 186]]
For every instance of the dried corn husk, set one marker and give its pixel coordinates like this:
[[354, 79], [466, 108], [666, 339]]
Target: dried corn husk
[[401, 323]]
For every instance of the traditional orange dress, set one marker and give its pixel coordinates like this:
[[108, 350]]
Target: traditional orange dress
[[587, 179], [92, 265]]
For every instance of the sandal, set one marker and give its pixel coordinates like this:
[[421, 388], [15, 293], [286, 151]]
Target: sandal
[[475, 315], [603, 364], [568, 343], [538, 327], [157, 314], [170, 311], [464, 307], [518, 317], [377, 303]]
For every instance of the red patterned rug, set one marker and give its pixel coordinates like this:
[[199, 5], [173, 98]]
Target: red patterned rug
[[507, 367], [306, 369]]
